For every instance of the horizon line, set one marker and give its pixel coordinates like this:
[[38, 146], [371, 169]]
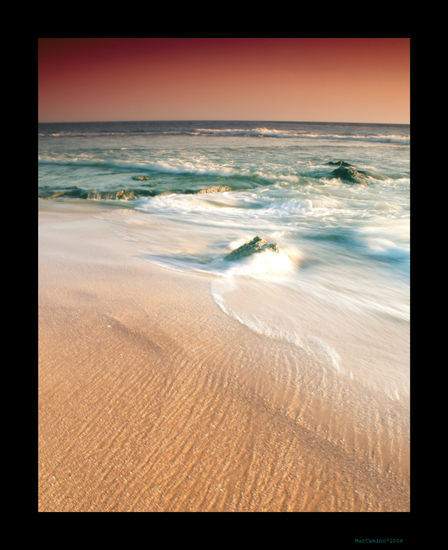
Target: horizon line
[[219, 120]]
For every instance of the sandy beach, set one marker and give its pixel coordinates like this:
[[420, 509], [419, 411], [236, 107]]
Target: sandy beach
[[152, 399]]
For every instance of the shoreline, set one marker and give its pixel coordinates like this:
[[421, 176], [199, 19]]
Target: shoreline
[[152, 399]]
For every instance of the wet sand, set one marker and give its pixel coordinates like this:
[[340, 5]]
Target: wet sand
[[152, 399]]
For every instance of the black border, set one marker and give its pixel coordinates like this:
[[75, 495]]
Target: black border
[[301, 530]]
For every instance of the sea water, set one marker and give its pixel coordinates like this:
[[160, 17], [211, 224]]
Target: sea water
[[336, 287]]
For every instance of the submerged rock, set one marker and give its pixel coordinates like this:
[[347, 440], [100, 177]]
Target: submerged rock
[[77, 193], [214, 189], [257, 244], [140, 178], [72, 192], [349, 174], [112, 195], [126, 194]]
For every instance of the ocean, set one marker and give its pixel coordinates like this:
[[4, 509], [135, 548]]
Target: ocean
[[332, 200]]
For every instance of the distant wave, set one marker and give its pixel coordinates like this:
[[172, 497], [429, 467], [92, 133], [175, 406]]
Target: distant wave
[[403, 140], [243, 132], [267, 132], [255, 132], [87, 134]]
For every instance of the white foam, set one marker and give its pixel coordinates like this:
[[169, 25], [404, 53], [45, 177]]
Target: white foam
[[222, 286], [265, 264], [329, 352]]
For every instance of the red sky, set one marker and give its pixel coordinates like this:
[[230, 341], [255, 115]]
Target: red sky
[[296, 79]]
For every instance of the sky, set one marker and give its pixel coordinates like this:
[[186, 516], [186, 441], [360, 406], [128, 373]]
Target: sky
[[293, 79]]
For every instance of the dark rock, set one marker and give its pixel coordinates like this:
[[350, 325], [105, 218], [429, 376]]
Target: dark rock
[[349, 174], [338, 163], [67, 192], [257, 244]]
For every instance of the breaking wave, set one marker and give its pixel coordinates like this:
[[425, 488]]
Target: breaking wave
[[274, 133]]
